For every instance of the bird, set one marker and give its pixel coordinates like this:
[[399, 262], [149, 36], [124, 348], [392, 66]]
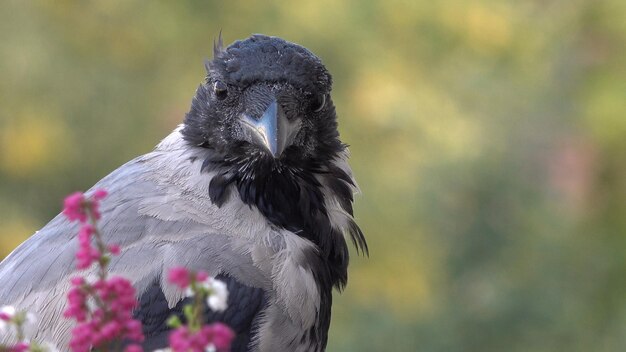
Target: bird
[[253, 187]]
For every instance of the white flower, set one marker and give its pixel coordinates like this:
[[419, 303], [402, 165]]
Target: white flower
[[210, 348], [7, 312], [218, 295]]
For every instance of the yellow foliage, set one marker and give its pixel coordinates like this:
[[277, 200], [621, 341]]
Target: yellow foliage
[[13, 232], [485, 27], [30, 143], [425, 116], [404, 280]]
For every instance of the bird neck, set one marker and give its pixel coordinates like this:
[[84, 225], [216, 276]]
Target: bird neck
[[292, 196]]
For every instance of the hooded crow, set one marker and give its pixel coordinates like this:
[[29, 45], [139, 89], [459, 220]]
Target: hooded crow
[[254, 188]]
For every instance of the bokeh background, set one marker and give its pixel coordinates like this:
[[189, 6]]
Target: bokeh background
[[488, 137]]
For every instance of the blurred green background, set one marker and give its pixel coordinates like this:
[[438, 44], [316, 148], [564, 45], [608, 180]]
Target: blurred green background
[[488, 137]]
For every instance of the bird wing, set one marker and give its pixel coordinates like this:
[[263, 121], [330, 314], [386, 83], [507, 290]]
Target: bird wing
[[158, 225]]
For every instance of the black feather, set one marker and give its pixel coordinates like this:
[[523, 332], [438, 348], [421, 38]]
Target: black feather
[[218, 188], [242, 315], [270, 59]]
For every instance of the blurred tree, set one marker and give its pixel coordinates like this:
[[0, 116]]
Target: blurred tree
[[488, 138]]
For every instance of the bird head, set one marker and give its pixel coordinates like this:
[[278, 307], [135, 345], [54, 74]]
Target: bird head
[[264, 101]]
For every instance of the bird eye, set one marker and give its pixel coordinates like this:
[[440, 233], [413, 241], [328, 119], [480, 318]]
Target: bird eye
[[319, 102], [220, 89]]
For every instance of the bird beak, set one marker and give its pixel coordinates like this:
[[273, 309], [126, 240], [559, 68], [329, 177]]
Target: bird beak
[[272, 131]]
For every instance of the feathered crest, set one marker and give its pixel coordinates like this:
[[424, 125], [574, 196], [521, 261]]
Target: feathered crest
[[218, 47]]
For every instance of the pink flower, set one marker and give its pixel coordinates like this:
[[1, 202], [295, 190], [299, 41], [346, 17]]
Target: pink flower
[[134, 330], [20, 347], [82, 336], [86, 256], [133, 348], [202, 276], [76, 207], [73, 207], [180, 340], [97, 196], [100, 194], [77, 281], [220, 335], [179, 276], [85, 232], [114, 249], [216, 336], [112, 320], [109, 331], [77, 301]]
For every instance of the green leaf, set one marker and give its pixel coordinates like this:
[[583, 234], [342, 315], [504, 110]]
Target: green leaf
[[174, 322], [188, 311]]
